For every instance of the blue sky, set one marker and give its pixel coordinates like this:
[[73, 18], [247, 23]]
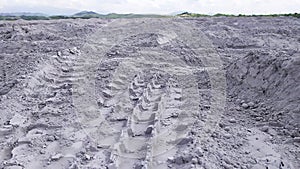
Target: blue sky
[[152, 6]]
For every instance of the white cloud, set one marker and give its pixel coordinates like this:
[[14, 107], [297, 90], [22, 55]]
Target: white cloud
[[157, 6], [2, 3]]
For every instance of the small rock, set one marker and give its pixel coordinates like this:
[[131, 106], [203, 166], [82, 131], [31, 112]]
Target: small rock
[[227, 136], [227, 129], [174, 115], [275, 124], [232, 121], [193, 132], [258, 118], [215, 135], [5, 131], [295, 133], [38, 132], [226, 160], [100, 101], [56, 157], [244, 167], [138, 165], [296, 139], [18, 120], [75, 166], [42, 151], [185, 141], [50, 138], [251, 104], [171, 159], [194, 160], [130, 132], [149, 130], [88, 148], [179, 160], [199, 152], [74, 50], [24, 140], [42, 105], [87, 157], [245, 105], [222, 125], [56, 137], [265, 129], [4, 97], [187, 158], [227, 166], [103, 146]]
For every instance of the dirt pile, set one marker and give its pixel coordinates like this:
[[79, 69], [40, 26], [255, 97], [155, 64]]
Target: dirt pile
[[272, 80], [150, 93]]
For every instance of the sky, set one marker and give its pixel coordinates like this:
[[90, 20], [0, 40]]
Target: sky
[[67, 7]]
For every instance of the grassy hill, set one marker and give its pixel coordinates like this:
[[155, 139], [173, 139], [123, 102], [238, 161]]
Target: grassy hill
[[91, 14], [82, 15], [187, 14]]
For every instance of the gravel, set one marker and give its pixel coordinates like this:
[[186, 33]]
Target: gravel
[[209, 92]]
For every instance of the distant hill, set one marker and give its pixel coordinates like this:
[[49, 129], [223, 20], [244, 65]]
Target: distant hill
[[82, 14], [22, 14], [176, 13], [91, 14], [86, 14], [115, 15], [188, 14]]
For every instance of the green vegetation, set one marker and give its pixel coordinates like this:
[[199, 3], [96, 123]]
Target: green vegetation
[[114, 16], [34, 17], [187, 14], [58, 17], [13, 18], [83, 16], [87, 14], [90, 14], [227, 15], [7, 18]]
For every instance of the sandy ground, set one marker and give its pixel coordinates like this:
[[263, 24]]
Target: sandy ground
[[205, 93]]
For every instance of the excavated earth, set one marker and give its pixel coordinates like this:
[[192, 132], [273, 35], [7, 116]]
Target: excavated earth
[[203, 93]]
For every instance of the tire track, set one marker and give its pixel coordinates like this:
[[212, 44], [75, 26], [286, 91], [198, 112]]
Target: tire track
[[46, 92], [57, 75], [132, 111]]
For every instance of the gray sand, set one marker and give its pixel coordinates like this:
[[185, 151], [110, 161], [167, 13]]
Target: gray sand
[[205, 93]]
